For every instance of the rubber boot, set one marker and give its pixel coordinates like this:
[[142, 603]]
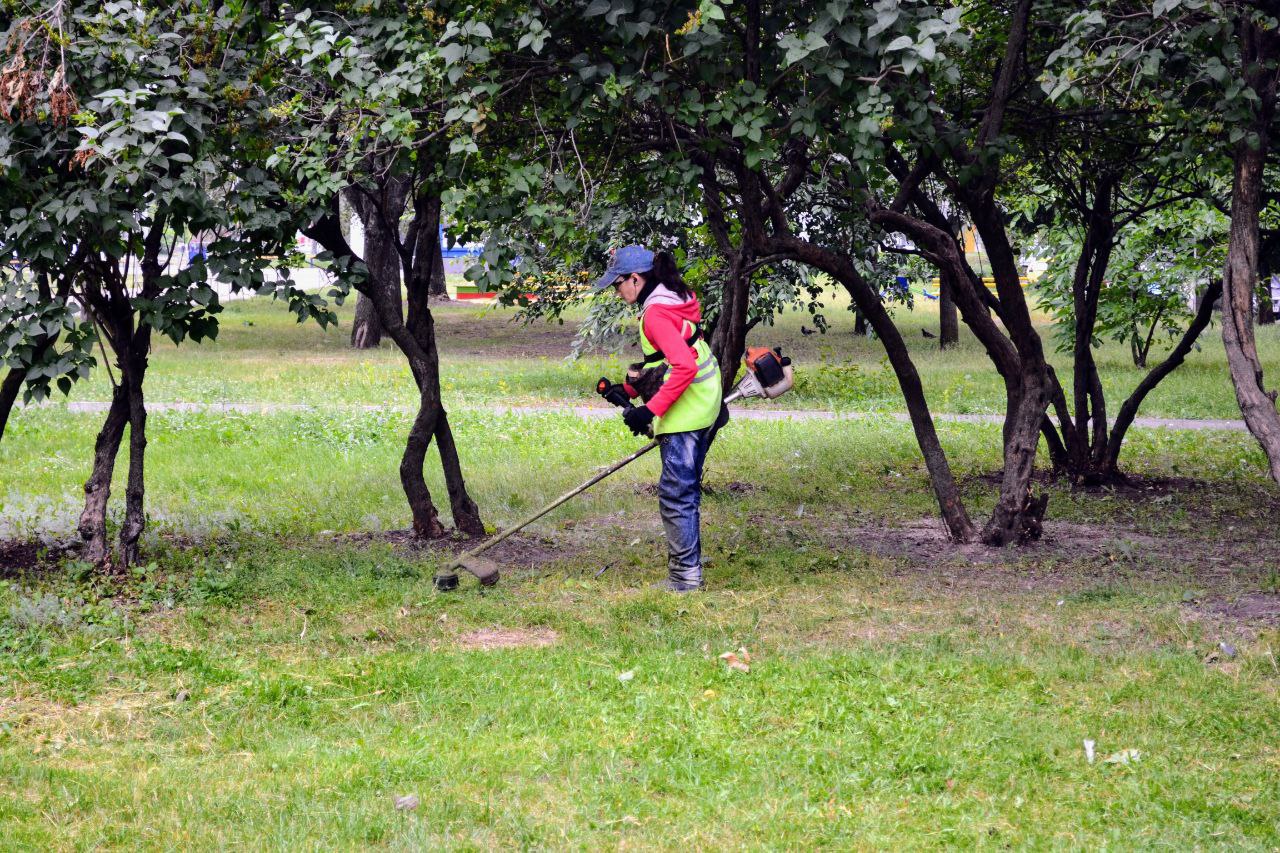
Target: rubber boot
[[682, 579]]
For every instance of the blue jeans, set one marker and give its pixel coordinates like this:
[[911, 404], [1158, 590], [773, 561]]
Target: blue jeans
[[679, 498]]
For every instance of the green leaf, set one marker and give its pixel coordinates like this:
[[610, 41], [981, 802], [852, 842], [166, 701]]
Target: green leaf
[[451, 53]]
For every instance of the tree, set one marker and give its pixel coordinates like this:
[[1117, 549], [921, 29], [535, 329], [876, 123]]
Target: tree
[[1120, 188], [378, 104], [706, 109], [1215, 64], [162, 148]]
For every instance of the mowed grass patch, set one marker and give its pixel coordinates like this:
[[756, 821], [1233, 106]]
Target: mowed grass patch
[[489, 357], [295, 719]]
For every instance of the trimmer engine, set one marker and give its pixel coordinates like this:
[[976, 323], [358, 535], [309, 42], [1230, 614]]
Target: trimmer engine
[[769, 373]]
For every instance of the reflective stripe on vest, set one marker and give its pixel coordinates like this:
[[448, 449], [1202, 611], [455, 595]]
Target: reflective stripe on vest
[[698, 405]]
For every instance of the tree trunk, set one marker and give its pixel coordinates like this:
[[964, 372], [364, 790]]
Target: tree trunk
[[729, 339], [426, 520], [859, 324], [1109, 468], [948, 320], [439, 284], [466, 515], [951, 505], [97, 490], [426, 262], [944, 487], [1259, 51], [366, 331], [383, 261], [135, 488], [9, 391], [1017, 515], [416, 340], [378, 220]]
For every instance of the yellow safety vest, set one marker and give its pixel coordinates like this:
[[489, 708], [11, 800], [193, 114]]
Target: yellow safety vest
[[698, 405]]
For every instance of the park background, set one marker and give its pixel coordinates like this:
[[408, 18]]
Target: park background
[[268, 663]]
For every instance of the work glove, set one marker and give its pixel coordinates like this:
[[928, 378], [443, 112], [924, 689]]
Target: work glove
[[613, 392], [638, 419]]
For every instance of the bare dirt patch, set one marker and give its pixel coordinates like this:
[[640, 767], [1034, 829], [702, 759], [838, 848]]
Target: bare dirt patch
[[712, 489], [492, 331], [1259, 608], [515, 552], [925, 541], [1131, 486], [487, 639], [24, 557], [1070, 557]]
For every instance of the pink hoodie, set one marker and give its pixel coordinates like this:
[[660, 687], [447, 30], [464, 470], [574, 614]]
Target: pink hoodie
[[664, 316]]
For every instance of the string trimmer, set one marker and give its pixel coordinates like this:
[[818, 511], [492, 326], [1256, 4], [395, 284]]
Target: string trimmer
[[769, 375]]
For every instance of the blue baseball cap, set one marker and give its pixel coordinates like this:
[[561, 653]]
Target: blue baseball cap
[[627, 260]]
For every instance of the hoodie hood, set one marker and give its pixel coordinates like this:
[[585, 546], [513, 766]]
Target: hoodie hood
[[665, 297]]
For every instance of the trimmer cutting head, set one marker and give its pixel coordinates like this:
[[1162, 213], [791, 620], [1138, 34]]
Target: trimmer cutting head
[[482, 567]]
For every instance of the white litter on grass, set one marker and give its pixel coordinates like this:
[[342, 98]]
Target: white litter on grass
[[1124, 756], [624, 677], [1089, 750]]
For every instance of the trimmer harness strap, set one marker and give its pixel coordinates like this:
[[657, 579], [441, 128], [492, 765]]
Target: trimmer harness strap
[[691, 340]]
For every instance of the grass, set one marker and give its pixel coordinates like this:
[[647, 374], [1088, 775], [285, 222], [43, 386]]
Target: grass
[[276, 672], [299, 728], [488, 357]]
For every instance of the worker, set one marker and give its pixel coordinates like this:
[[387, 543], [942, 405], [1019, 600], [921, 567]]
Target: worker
[[686, 409]]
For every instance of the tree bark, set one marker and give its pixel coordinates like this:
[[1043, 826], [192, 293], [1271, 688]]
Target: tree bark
[[426, 519], [379, 219], [9, 391], [466, 515], [135, 488], [1129, 409], [1259, 50], [97, 490], [439, 283], [729, 339], [366, 331], [948, 320]]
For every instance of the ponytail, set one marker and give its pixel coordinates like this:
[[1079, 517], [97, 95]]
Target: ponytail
[[666, 273]]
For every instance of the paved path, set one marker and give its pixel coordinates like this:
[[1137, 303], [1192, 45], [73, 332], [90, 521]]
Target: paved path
[[756, 413]]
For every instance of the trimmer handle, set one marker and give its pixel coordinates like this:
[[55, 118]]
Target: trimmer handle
[[614, 393]]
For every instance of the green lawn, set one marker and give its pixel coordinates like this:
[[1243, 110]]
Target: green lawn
[[280, 669], [262, 355]]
